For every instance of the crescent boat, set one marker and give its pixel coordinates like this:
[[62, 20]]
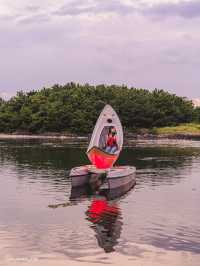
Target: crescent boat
[[102, 161]]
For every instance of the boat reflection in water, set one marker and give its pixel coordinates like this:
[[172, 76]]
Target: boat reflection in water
[[103, 213], [106, 222]]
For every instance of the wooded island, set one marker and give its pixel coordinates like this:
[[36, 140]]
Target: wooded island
[[74, 108]]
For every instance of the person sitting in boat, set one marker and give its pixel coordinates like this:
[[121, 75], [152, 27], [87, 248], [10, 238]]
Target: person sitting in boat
[[111, 141]]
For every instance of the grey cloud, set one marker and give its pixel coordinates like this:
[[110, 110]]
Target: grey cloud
[[29, 10], [185, 9], [9, 18], [32, 8], [40, 18], [95, 7], [116, 49], [33, 16]]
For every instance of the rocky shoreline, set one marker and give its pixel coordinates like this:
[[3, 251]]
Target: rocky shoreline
[[128, 137], [42, 136]]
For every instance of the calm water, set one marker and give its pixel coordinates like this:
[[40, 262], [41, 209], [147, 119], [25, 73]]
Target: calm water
[[157, 222]]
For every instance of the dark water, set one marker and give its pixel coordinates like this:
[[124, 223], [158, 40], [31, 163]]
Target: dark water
[[160, 215]]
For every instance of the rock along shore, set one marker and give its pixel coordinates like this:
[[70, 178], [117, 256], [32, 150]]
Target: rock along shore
[[128, 137]]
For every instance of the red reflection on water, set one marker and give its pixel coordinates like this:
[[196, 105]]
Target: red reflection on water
[[105, 217], [100, 208]]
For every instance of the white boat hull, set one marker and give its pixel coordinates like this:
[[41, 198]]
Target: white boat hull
[[79, 176], [78, 181], [116, 177], [121, 176]]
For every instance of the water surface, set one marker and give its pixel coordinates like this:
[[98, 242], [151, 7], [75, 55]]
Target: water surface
[[156, 223]]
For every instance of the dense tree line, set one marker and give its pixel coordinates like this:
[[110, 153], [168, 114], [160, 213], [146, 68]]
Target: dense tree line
[[196, 115], [75, 108]]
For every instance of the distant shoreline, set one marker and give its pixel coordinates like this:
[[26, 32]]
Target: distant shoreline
[[41, 136], [129, 137]]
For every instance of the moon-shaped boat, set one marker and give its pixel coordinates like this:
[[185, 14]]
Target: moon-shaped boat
[[102, 162], [96, 149]]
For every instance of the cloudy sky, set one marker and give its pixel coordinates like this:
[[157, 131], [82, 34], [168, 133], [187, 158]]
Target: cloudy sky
[[141, 43]]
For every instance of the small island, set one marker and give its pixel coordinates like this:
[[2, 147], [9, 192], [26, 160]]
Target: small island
[[70, 111]]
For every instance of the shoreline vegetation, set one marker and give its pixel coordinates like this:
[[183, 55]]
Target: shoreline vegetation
[[190, 131], [70, 112]]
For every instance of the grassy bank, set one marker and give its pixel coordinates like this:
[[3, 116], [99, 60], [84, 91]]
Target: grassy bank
[[183, 129]]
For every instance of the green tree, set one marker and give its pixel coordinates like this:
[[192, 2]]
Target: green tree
[[75, 108]]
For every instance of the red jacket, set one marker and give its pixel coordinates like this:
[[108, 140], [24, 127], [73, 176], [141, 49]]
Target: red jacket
[[111, 141]]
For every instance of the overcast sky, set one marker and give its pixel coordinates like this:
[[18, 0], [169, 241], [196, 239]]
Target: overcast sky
[[141, 43]]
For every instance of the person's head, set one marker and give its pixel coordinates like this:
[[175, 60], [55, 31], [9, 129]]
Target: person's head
[[112, 130]]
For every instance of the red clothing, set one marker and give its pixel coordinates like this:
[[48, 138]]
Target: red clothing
[[111, 141]]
